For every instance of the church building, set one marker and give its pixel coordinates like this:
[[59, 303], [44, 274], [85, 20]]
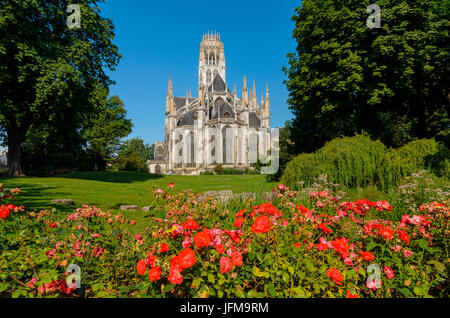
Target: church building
[[240, 125]]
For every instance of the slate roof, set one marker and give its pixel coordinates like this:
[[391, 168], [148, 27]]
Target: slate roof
[[218, 84], [187, 120], [181, 101], [253, 120], [226, 108]]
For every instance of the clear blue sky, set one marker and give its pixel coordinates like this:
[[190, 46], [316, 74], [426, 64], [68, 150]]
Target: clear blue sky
[[159, 39]]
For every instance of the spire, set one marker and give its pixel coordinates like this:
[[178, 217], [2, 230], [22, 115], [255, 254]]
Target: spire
[[267, 102], [234, 90], [244, 101], [170, 88], [254, 98], [262, 100]]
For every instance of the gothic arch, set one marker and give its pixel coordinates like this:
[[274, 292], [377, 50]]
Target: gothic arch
[[227, 135], [208, 77]]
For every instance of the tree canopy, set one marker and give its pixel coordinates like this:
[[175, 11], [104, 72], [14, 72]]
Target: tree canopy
[[138, 146], [391, 82], [48, 70]]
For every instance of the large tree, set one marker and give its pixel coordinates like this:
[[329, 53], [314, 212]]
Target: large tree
[[138, 146], [47, 68], [73, 140], [104, 130], [391, 81]]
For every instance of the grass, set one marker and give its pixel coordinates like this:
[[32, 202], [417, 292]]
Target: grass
[[110, 190]]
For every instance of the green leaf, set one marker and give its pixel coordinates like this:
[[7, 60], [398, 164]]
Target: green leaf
[[3, 287], [439, 266], [291, 270], [418, 291], [301, 274], [271, 289], [310, 267], [168, 288], [211, 278], [286, 277], [406, 292], [299, 292]]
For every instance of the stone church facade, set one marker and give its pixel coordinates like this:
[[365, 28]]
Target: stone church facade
[[217, 127]]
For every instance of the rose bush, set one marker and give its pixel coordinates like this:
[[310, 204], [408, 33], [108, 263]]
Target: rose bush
[[290, 247]]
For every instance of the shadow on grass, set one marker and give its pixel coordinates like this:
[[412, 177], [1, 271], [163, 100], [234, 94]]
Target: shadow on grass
[[114, 177], [34, 197]]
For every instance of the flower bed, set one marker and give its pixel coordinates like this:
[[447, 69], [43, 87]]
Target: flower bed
[[291, 247]]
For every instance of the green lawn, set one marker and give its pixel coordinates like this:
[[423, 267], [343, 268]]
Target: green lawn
[[109, 190]]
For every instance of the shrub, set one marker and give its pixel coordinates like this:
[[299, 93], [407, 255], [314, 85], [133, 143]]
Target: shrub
[[413, 157], [232, 171], [218, 169], [43, 171], [207, 173], [360, 162], [348, 161], [130, 162], [420, 188]]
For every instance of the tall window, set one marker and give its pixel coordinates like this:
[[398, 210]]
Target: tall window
[[208, 77]]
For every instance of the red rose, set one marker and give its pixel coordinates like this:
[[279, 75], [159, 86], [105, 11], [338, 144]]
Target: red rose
[[151, 259], [236, 259], [335, 275], [403, 236], [269, 209], [186, 258], [322, 247], [175, 265], [190, 225], [225, 264], [201, 239], [220, 249], [341, 246], [389, 272], [4, 212], [350, 295], [240, 213], [324, 228], [367, 256], [386, 233], [164, 248], [238, 223], [141, 268], [175, 278], [155, 273], [261, 224]]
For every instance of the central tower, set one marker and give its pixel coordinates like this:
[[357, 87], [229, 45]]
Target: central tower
[[212, 59]]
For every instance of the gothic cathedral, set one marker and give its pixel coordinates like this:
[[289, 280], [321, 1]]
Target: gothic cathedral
[[215, 109]]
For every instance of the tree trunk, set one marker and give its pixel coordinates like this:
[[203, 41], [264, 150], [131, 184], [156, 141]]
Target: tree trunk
[[14, 169]]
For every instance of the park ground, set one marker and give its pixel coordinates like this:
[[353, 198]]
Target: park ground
[[110, 190]]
